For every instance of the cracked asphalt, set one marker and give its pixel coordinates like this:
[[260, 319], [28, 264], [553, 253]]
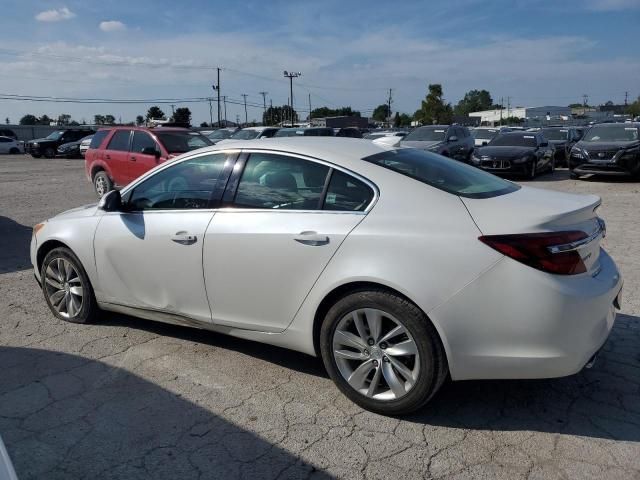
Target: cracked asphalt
[[127, 398]]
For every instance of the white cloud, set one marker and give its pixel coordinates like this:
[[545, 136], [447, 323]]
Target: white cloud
[[55, 15], [112, 26]]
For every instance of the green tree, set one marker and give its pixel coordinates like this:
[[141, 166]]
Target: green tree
[[155, 113], [204, 125], [182, 115], [337, 112], [474, 101], [277, 115], [381, 113], [73, 123], [512, 120], [434, 110], [7, 121], [633, 109], [139, 120], [98, 119], [405, 120], [45, 120], [29, 120], [109, 120], [64, 119]]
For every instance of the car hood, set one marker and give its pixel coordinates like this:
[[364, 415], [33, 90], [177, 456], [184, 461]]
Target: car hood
[[600, 146], [40, 140], [420, 143], [504, 152], [84, 211]]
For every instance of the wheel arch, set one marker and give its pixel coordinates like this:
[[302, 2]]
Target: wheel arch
[[45, 248]]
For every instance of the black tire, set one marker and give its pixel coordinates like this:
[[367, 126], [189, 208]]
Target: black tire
[[50, 152], [533, 171], [36, 155], [432, 360], [573, 175], [14, 151], [102, 184], [88, 306]]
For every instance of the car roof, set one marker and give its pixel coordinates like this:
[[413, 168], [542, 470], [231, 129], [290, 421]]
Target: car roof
[[147, 129], [256, 129]]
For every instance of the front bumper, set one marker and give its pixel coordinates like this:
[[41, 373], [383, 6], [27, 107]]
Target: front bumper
[[517, 322], [617, 166], [506, 167]]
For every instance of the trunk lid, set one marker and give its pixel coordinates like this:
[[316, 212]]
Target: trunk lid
[[533, 210]]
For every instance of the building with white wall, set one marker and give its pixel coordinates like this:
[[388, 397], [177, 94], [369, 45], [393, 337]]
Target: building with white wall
[[527, 114]]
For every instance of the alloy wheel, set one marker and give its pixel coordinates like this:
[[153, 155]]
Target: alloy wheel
[[101, 185], [63, 287], [376, 354]]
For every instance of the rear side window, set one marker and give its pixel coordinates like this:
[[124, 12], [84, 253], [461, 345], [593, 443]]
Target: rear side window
[[443, 173], [120, 141], [346, 193], [97, 139]]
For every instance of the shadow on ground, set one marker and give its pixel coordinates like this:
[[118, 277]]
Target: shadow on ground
[[14, 246], [64, 416]]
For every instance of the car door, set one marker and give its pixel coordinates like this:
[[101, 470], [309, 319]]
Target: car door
[[287, 216], [140, 160], [117, 156], [149, 256], [5, 144]]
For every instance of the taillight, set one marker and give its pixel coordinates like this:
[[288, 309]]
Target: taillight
[[535, 250]]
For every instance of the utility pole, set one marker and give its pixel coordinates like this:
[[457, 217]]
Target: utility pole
[[224, 99], [389, 106], [264, 106], [309, 109], [173, 109], [270, 111], [508, 107], [501, 108], [210, 113], [218, 90], [291, 76], [626, 98], [244, 95], [585, 100]]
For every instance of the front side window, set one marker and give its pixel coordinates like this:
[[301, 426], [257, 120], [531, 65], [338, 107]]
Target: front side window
[[346, 193], [120, 141], [142, 140], [280, 182], [443, 173], [185, 185]]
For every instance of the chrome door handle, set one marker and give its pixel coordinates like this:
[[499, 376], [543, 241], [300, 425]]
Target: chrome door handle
[[184, 238], [311, 238]]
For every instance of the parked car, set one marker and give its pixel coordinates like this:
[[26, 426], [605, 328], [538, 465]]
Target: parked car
[[483, 135], [524, 153], [69, 150], [252, 133], [607, 149], [466, 291], [7, 132], [389, 137], [84, 144], [48, 146], [221, 134], [563, 139], [452, 141], [349, 132], [118, 155], [305, 132], [10, 145]]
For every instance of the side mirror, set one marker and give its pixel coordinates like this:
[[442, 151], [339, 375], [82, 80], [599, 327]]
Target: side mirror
[[452, 138], [111, 201], [151, 151], [485, 143]]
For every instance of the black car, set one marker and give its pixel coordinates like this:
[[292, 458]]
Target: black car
[[525, 153], [563, 139], [305, 132], [608, 149], [70, 150], [454, 141], [48, 146]]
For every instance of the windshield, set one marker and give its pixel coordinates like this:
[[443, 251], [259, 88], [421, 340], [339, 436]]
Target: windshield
[[484, 134], [220, 134], [555, 134], [180, 142], [427, 134], [55, 135], [511, 140], [245, 134], [443, 173], [611, 134]]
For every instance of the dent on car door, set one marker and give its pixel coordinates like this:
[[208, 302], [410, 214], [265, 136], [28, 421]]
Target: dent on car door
[[287, 218]]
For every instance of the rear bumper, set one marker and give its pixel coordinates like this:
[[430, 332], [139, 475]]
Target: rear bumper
[[517, 322]]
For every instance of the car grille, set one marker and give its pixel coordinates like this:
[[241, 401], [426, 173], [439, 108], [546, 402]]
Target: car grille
[[602, 154], [496, 164]]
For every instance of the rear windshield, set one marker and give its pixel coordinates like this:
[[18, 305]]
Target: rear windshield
[[443, 173], [514, 140], [484, 134], [96, 141], [180, 142], [555, 134], [616, 133], [427, 134]]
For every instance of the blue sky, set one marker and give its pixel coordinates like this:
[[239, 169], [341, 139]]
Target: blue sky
[[537, 52]]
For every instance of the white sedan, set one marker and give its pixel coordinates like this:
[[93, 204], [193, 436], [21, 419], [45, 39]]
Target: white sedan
[[397, 266], [11, 145]]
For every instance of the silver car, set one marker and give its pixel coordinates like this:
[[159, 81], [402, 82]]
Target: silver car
[[397, 266]]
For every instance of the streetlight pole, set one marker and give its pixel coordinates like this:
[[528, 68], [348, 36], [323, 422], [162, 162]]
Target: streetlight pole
[[264, 106], [291, 76], [244, 95]]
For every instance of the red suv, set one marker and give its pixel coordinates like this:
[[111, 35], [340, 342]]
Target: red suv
[[119, 155]]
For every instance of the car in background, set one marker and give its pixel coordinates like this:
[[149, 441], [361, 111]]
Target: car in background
[[221, 134], [74, 149], [305, 132], [523, 153], [7, 132], [607, 149], [48, 146], [323, 245], [119, 155], [483, 135], [252, 133], [563, 139], [10, 145], [386, 137], [453, 141], [349, 132], [84, 144]]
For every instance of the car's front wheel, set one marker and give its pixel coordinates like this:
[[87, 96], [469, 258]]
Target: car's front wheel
[[49, 152], [66, 287], [102, 183], [382, 352]]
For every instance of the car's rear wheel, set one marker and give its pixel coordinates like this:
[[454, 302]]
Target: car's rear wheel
[[49, 152], [382, 352], [66, 287], [14, 151], [102, 183], [36, 155]]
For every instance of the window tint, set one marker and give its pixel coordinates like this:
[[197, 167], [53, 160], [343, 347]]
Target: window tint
[[278, 181], [443, 173], [142, 140], [120, 141], [186, 185], [97, 139], [346, 193]]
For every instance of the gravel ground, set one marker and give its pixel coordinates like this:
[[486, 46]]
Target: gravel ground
[[127, 398]]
